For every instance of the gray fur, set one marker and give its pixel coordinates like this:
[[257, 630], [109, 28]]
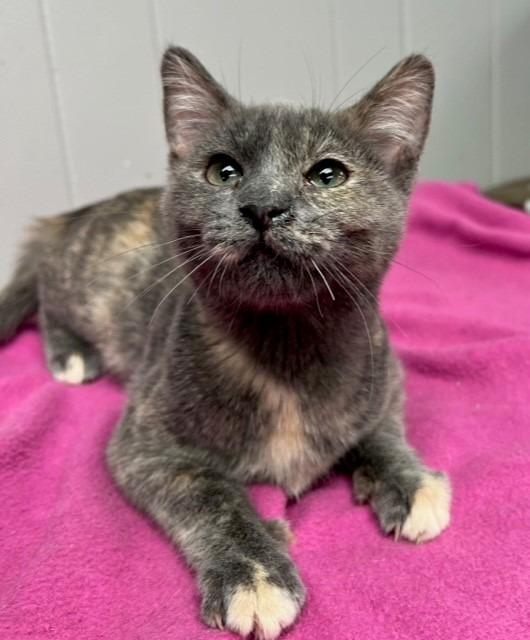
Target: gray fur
[[250, 356]]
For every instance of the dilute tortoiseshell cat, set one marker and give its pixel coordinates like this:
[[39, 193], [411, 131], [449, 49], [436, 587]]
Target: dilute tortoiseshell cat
[[240, 303]]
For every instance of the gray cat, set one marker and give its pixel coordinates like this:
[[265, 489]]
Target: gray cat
[[241, 306]]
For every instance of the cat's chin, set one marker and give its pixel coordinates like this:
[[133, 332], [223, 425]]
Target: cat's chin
[[260, 297], [276, 303], [262, 256]]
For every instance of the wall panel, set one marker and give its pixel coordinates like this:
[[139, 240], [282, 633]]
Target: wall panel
[[33, 174], [265, 50], [511, 98], [369, 43], [456, 36], [108, 87]]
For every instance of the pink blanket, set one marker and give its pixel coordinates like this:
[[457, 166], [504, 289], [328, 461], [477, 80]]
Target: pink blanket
[[76, 562]]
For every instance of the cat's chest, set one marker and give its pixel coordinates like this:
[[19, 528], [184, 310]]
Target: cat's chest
[[288, 451], [287, 443]]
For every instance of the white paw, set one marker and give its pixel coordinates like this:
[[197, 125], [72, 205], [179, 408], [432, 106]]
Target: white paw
[[74, 371], [263, 608], [430, 512]]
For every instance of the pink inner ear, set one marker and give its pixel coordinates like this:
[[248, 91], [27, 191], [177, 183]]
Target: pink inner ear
[[389, 150], [188, 125], [193, 100]]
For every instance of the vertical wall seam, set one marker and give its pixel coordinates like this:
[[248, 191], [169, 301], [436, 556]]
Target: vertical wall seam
[[495, 140], [156, 28], [401, 15], [51, 60], [404, 27], [334, 37]]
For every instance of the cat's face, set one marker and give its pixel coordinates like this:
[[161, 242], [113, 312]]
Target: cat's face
[[278, 206]]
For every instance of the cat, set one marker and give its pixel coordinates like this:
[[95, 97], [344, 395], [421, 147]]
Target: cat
[[240, 306]]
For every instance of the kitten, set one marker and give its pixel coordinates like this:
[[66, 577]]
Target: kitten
[[240, 304]]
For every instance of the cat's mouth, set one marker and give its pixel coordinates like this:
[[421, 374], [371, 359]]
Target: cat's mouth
[[261, 251], [265, 275]]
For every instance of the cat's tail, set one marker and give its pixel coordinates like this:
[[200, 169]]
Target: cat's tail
[[18, 299]]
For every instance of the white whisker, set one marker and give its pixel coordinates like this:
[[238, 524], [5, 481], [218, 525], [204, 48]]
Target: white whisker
[[145, 246], [324, 279], [361, 284], [367, 330], [152, 285], [212, 278], [153, 266], [177, 285], [221, 279], [315, 290]]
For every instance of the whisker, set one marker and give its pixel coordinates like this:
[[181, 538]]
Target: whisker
[[150, 244], [193, 294], [384, 254], [239, 70], [221, 279], [234, 315], [423, 275], [324, 279], [358, 292], [375, 308], [157, 264], [339, 263], [152, 285], [90, 211], [212, 278], [315, 290], [416, 271], [354, 76], [177, 285], [148, 288], [365, 323], [310, 72], [350, 98]]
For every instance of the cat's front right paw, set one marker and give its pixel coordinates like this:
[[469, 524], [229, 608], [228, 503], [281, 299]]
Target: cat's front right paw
[[247, 596]]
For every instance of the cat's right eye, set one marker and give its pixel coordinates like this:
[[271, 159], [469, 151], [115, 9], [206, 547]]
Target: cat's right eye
[[223, 171]]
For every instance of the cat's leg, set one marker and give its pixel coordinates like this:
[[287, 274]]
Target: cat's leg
[[246, 578], [408, 499], [70, 358]]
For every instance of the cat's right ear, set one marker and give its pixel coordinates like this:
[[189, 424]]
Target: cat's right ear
[[193, 100]]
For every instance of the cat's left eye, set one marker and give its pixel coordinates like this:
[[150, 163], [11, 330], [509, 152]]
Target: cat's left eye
[[223, 171], [327, 174]]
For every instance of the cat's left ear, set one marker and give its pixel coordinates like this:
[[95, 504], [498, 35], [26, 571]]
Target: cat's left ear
[[193, 100], [395, 114]]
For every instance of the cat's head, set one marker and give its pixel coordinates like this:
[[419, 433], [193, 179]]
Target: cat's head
[[278, 205]]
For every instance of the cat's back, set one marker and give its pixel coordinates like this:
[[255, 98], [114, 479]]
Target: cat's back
[[96, 268], [116, 224]]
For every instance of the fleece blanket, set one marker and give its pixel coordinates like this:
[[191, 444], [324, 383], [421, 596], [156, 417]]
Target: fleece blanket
[[77, 562]]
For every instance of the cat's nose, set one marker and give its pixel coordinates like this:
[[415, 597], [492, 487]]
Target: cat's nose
[[260, 217]]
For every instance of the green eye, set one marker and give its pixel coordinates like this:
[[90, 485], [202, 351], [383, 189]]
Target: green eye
[[223, 171], [327, 174]]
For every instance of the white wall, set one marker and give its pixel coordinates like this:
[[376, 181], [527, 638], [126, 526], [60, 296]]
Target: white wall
[[80, 113]]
